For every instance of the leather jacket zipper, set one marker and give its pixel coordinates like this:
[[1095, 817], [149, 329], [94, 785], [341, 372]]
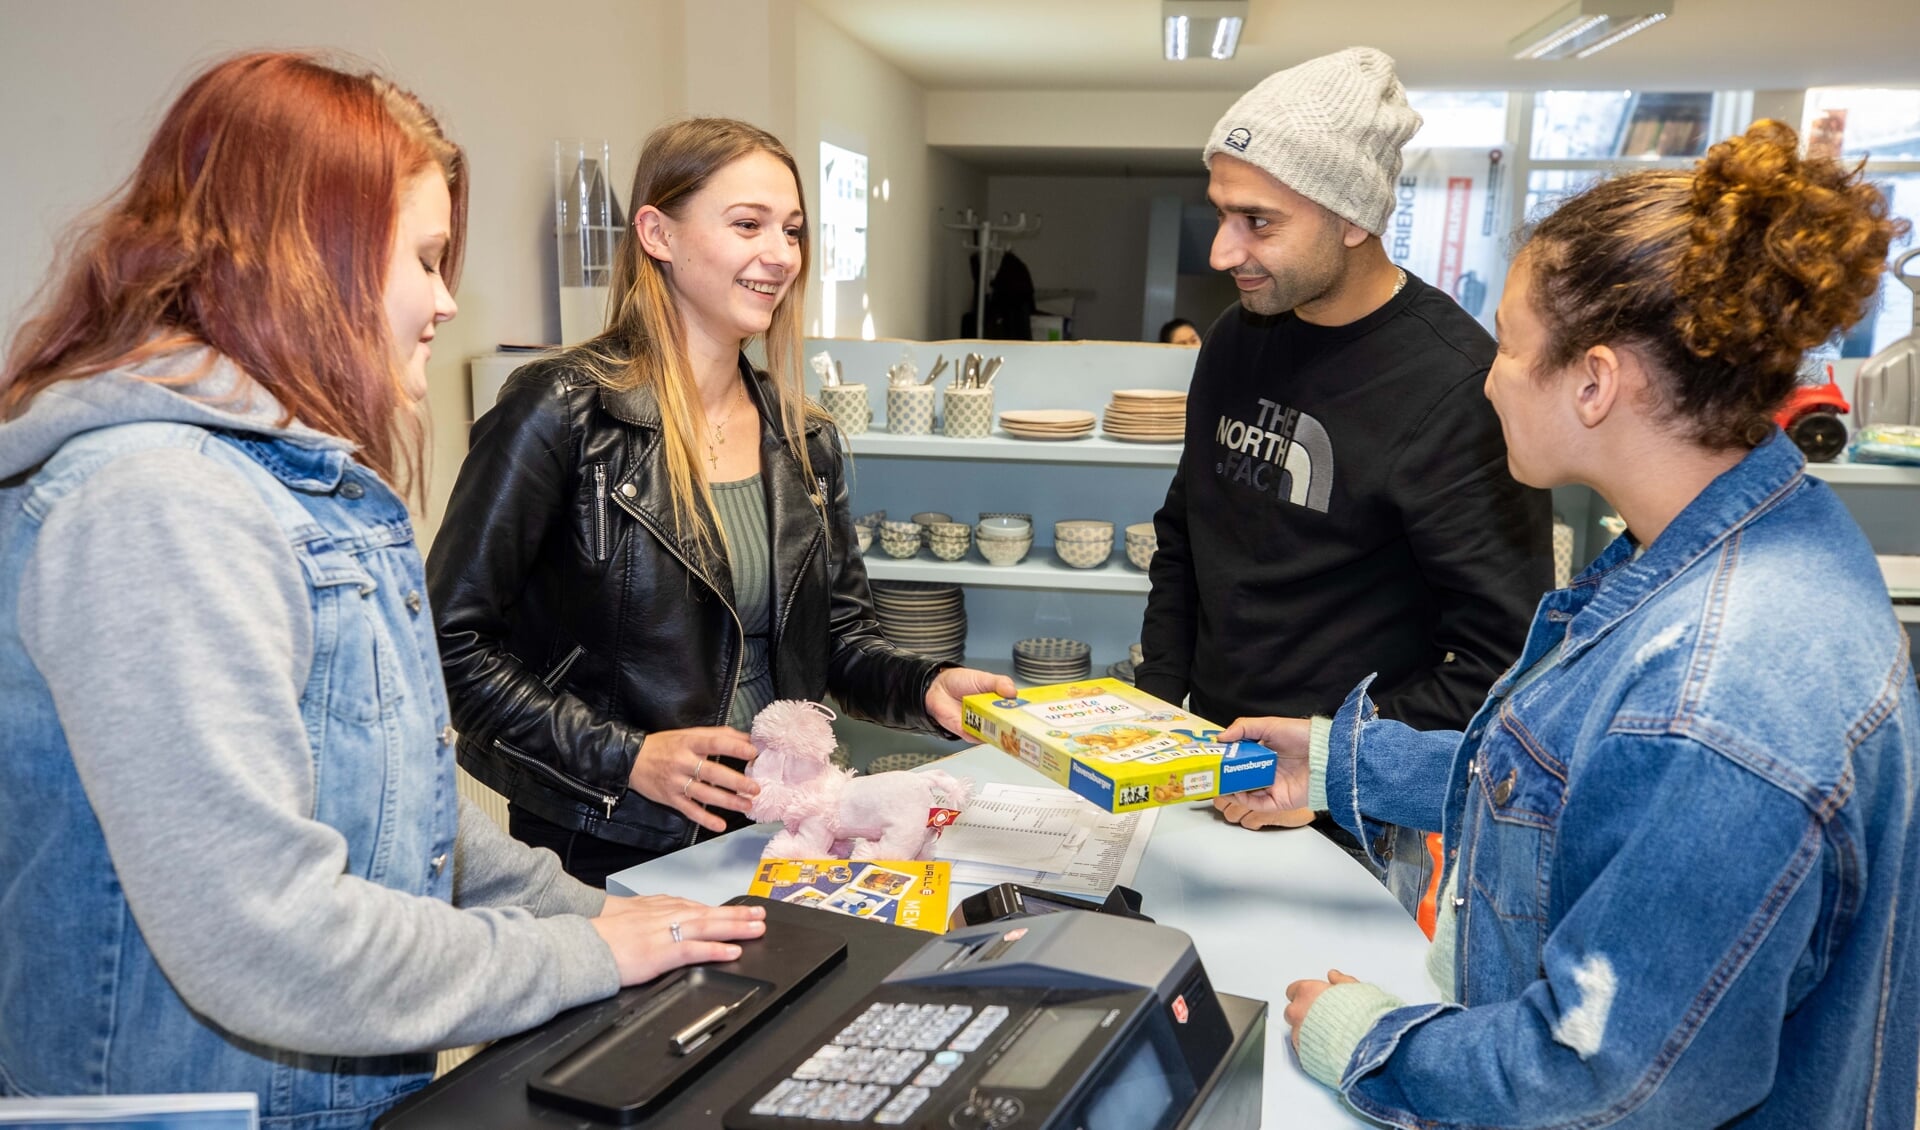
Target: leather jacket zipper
[[599, 547], [578, 788], [740, 630]]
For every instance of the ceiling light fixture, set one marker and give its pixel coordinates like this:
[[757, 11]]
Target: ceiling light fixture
[[1216, 23], [1588, 27]]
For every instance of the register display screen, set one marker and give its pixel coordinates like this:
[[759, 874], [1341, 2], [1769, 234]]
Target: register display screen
[[1038, 1054]]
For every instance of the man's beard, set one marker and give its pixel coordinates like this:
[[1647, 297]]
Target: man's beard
[[1319, 273]]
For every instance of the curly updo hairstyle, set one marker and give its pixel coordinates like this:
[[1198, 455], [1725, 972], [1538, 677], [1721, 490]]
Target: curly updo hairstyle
[[1722, 277]]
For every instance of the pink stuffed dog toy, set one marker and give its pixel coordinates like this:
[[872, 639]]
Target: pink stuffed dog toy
[[828, 811]]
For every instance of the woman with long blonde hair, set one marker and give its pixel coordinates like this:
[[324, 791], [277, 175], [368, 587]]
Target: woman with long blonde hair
[[650, 538]]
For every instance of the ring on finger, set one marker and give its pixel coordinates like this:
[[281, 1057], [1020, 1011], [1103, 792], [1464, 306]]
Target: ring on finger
[[673, 929], [687, 788]]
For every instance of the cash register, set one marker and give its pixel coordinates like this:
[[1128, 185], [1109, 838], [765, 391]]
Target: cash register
[[1072, 1020]]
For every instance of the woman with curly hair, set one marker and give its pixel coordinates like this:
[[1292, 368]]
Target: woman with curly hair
[[1680, 856]]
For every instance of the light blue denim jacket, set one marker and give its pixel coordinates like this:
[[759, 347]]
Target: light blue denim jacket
[[1688, 867], [298, 896]]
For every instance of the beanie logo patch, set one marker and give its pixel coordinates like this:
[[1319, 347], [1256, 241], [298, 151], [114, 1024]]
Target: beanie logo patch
[[1238, 139]]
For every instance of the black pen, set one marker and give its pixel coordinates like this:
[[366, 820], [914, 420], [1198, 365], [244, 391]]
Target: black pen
[[698, 1032]]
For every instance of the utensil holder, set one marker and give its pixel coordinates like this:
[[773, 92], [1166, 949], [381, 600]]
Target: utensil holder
[[968, 413], [910, 410], [849, 407]]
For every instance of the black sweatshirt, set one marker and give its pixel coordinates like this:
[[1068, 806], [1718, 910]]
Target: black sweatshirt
[[1343, 506]]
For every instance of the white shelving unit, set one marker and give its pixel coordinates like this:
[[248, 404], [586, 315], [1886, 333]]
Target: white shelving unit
[[1039, 570], [1004, 448], [1866, 474], [1094, 477]]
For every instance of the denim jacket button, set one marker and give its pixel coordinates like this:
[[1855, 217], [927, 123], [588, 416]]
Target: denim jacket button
[[1504, 790], [351, 489], [413, 602], [439, 862], [446, 735]]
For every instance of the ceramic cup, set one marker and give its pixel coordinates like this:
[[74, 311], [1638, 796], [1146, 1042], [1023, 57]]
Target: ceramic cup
[[910, 410], [969, 413], [849, 407]]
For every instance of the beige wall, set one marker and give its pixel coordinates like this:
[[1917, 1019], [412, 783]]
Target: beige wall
[[82, 85]]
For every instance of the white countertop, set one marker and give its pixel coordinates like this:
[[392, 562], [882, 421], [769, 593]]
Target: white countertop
[[1263, 908]]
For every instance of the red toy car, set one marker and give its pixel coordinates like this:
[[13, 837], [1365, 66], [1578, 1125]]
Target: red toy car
[[1811, 418]]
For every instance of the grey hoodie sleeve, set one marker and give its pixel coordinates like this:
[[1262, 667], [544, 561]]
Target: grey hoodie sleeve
[[171, 621], [491, 868]]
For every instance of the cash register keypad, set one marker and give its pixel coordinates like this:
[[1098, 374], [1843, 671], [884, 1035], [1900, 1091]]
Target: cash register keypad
[[850, 1077]]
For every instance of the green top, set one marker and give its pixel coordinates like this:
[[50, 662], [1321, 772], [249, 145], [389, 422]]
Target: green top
[[743, 514]]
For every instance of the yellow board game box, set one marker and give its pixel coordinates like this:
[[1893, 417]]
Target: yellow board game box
[[904, 892], [1116, 745]]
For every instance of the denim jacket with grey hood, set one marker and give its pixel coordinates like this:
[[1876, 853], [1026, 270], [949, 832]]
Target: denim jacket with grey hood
[[231, 849]]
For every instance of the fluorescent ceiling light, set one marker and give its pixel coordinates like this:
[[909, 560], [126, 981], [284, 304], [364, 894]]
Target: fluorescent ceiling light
[[1212, 26], [1587, 27]]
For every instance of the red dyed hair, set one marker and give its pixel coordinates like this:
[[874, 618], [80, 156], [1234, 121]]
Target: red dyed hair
[[260, 223]]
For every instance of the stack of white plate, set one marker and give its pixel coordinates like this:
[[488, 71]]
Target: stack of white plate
[[1146, 415], [1122, 671], [926, 619], [1051, 659], [1047, 423]]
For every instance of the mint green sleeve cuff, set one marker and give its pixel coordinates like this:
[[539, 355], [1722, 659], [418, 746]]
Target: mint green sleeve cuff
[[1340, 1018], [1317, 763]]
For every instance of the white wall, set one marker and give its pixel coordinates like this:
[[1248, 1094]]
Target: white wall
[[846, 95], [83, 84], [1093, 240], [1063, 120]]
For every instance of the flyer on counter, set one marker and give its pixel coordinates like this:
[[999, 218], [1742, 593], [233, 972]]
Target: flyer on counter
[[908, 892]]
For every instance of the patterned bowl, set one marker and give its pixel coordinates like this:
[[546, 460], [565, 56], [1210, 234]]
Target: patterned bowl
[[1082, 530], [1141, 553], [871, 518], [865, 536], [1084, 554], [1004, 550], [950, 547], [900, 539], [1027, 518]]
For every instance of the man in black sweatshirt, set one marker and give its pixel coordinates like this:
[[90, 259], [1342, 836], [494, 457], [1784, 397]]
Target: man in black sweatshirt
[[1343, 505]]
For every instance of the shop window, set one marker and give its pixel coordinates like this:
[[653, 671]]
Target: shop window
[[1459, 119], [1588, 125], [1880, 127]]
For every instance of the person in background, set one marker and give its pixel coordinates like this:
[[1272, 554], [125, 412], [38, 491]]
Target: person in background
[[1681, 856], [1179, 331], [1342, 505], [231, 853], [649, 540]]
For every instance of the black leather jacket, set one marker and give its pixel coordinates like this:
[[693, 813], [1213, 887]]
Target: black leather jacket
[[573, 620]]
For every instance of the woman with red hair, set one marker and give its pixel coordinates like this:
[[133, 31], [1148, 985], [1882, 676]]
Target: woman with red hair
[[232, 856]]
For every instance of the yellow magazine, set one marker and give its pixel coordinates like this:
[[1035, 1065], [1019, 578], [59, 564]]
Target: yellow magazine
[[909, 893]]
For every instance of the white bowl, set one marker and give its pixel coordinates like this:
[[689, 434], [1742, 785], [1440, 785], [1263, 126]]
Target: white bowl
[[1004, 529], [1140, 553]]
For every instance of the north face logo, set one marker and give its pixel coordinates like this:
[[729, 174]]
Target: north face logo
[[1238, 139]]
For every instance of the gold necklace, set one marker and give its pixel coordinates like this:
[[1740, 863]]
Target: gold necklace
[[720, 431]]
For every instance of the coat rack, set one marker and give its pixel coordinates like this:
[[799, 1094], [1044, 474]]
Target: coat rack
[[987, 237]]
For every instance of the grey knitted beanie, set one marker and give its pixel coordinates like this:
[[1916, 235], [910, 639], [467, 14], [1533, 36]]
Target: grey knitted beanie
[[1331, 129]]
